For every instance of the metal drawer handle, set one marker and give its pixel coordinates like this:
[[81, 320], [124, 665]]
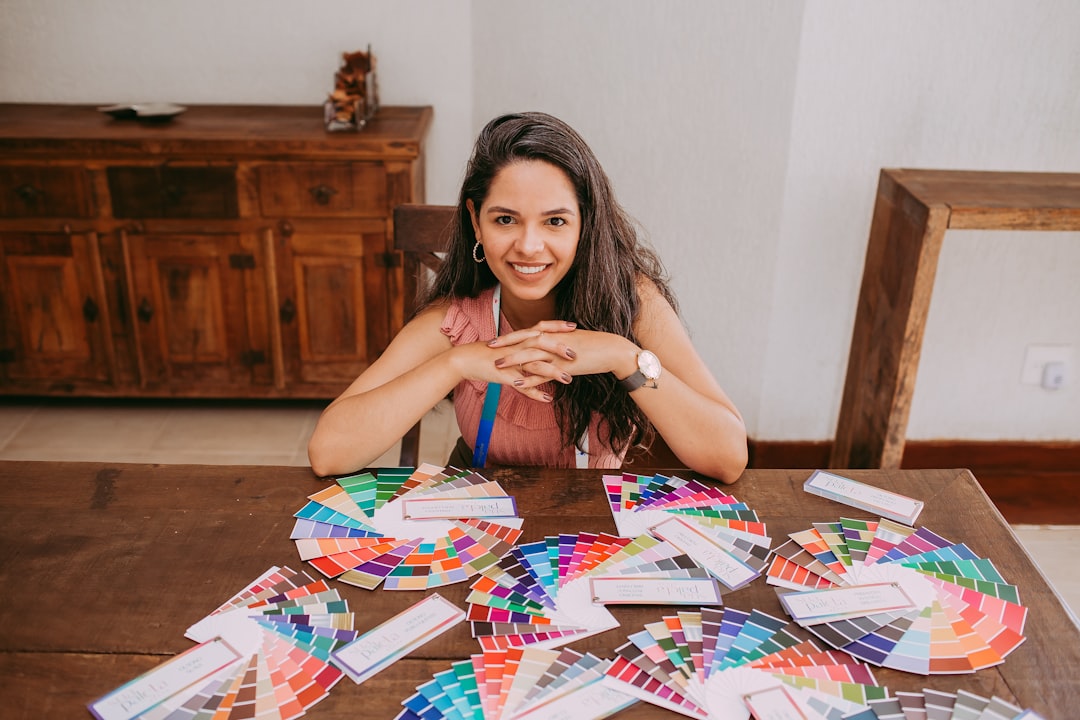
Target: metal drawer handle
[[90, 310], [287, 312], [29, 194], [145, 311], [173, 193], [322, 194]]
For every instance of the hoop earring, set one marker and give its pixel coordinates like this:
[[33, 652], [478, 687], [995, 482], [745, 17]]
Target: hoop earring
[[476, 258]]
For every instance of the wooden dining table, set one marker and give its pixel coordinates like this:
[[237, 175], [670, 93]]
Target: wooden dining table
[[104, 566]]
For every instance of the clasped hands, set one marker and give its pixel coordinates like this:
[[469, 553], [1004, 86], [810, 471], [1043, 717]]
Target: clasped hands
[[550, 351]]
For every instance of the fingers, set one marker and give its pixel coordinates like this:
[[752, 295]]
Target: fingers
[[552, 344], [531, 362], [537, 330], [530, 375], [536, 393], [557, 353], [554, 326]]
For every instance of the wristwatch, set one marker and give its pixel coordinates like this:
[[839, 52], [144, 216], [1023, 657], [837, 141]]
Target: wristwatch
[[647, 373]]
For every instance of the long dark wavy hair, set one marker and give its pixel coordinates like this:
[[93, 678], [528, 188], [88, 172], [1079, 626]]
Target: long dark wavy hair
[[600, 290]]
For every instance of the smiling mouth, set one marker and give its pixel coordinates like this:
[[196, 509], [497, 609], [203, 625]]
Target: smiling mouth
[[528, 269]]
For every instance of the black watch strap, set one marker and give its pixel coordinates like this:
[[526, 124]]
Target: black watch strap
[[633, 381]]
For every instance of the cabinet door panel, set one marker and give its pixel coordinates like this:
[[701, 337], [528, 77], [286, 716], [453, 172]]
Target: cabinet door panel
[[53, 329], [189, 291], [339, 291], [200, 311], [331, 308]]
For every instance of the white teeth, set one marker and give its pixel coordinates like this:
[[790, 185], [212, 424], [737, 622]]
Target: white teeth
[[529, 269]]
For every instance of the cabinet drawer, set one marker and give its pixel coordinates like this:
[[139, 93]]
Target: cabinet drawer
[[173, 192], [42, 191], [322, 189]]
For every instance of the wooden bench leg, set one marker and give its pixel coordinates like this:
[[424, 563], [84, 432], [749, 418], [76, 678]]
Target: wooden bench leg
[[898, 279]]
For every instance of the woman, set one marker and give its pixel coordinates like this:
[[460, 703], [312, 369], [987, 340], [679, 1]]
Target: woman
[[590, 355]]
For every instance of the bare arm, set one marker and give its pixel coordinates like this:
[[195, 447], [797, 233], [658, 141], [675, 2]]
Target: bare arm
[[417, 370], [387, 399], [688, 408]]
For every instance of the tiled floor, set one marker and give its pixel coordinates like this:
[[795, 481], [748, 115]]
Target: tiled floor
[[186, 432], [277, 434]]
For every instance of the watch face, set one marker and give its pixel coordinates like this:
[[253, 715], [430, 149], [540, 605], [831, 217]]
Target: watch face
[[648, 364]]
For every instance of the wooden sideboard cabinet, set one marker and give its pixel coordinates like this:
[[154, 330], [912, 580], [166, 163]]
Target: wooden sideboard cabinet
[[233, 251]]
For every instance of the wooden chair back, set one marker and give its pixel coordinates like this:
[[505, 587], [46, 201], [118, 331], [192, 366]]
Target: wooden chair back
[[420, 232]]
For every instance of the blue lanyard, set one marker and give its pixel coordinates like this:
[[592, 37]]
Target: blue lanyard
[[491, 399], [487, 422]]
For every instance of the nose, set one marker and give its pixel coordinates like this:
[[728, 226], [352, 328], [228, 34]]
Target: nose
[[531, 240]]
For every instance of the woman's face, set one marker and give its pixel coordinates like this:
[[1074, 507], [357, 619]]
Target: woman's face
[[529, 226]]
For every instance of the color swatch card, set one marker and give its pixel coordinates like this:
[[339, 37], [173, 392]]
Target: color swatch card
[[720, 533], [638, 590], [545, 593], [384, 645], [528, 683], [898, 597], [170, 683], [288, 624], [407, 529], [264, 653], [939, 705], [729, 664]]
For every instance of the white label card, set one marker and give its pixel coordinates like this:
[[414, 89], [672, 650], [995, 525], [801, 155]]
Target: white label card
[[865, 497], [655, 591], [592, 700], [773, 704], [819, 606], [706, 551], [455, 508], [385, 644], [171, 677]]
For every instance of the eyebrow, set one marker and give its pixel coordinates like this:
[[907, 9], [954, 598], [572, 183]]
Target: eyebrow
[[508, 211]]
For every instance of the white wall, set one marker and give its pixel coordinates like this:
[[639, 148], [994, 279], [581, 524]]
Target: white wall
[[745, 136], [954, 84]]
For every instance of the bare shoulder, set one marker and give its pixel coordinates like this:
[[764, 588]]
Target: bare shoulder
[[420, 339], [656, 313], [650, 295], [435, 311], [427, 324]]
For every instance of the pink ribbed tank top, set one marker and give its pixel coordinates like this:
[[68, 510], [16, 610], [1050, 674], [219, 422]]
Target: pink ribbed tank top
[[525, 430]]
